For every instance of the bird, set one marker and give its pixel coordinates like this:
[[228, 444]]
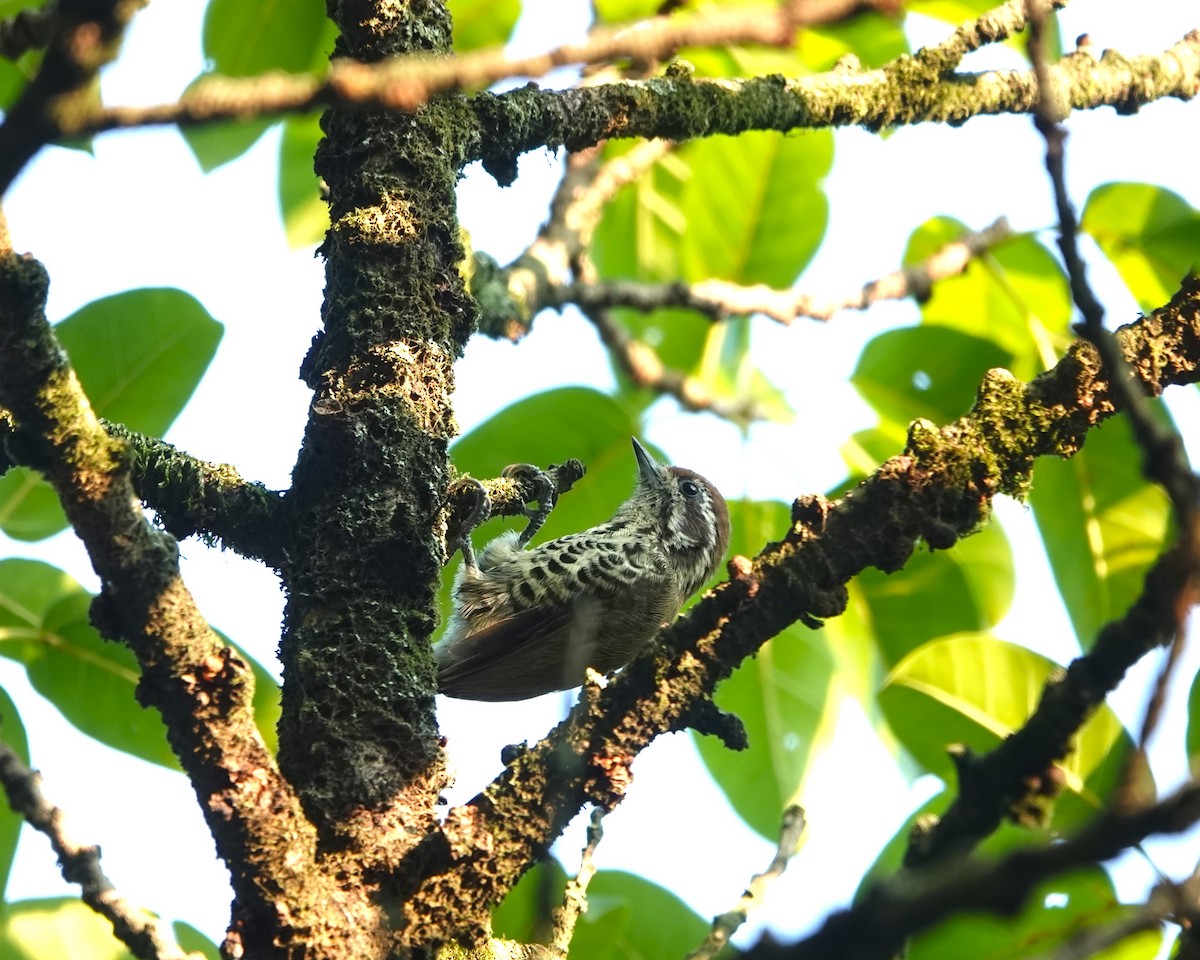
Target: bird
[[531, 621]]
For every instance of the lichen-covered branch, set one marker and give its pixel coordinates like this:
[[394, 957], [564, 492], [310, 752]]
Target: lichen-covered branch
[[907, 91], [134, 926], [192, 497], [939, 489], [201, 687]]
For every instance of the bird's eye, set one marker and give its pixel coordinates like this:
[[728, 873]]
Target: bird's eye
[[689, 489]]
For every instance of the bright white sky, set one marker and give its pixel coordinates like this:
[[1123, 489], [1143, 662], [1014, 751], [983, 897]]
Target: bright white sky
[[141, 214]]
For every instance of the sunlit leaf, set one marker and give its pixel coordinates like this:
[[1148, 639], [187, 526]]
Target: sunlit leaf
[[1102, 525], [975, 690], [874, 38], [57, 927], [305, 213], [44, 626], [192, 940], [966, 588], [927, 371], [139, 356], [1015, 294], [483, 23], [1151, 235], [246, 38]]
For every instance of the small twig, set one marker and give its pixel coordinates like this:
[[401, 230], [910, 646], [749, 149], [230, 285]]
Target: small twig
[[137, 928], [647, 370], [1164, 903], [727, 923], [890, 912], [720, 299], [575, 903], [1164, 459], [510, 296]]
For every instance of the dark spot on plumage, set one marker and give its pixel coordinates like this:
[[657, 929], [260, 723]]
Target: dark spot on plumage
[[526, 592], [555, 567], [567, 557], [537, 573], [584, 577], [605, 561], [631, 548]]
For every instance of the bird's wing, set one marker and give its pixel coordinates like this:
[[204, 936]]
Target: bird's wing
[[514, 658]]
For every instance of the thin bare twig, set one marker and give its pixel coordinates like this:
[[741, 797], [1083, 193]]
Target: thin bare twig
[[1164, 459], [574, 903], [727, 923], [134, 926], [720, 299], [646, 369]]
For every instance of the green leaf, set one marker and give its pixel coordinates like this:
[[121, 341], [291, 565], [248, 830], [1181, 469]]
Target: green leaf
[[926, 371], [247, 38], [975, 690], [192, 940], [1193, 727], [1016, 293], [783, 696], [1151, 235], [44, 625], [630, 918], [139, 355], [483, 23], [875, 38], [1102, 525], [1057, 912], [57, 927], [305, 213], [748, 209], [12, 732], [967, 588], [525, 913], [216, 144], [244, 38]]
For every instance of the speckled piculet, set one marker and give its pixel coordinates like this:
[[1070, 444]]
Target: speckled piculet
[[527, 622]]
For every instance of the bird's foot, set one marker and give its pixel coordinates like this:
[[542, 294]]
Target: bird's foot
[[545, 495]]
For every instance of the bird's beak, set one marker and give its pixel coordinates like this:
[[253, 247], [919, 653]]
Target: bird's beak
[[648, 470]]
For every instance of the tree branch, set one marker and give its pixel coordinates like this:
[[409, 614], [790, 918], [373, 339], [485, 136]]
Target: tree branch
[[912, 89], [891, 912], [941, 487], [27, 30], [201, 688], [720, 299], [191, 496], [135, 927], [86, 35], [727, 924]]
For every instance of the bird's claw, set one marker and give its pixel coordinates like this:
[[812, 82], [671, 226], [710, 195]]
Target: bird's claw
[[480, 511], [545, 494]]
